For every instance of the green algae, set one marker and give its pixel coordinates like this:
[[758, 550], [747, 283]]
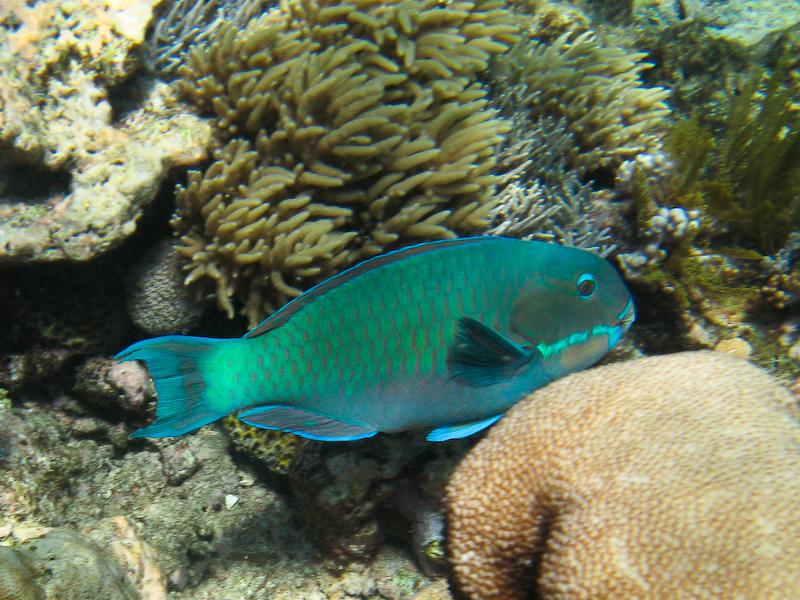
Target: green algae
[[746, 175]]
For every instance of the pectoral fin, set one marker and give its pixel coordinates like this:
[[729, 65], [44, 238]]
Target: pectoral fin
[[304, 423], [482, 356]]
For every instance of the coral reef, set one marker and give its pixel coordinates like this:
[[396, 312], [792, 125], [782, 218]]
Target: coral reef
[[694, 64], [353, 126], [138, 559], [426, 518], [185, 24], [158, 302], [664, 476], [596, 88], [53, 314], [541, 197], [113, 385], [759, 198], [17, 578], [716, 230], [276, 450], [77, 166], [77, 567], [218, 532]]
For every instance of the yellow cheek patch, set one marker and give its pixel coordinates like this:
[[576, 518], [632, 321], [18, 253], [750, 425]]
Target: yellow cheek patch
[[579, 356]]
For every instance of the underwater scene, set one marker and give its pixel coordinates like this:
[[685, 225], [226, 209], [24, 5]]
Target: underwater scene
[[399, 299]]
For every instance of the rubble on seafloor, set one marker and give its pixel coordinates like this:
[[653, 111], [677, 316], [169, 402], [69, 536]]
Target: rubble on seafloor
[[170, 515]]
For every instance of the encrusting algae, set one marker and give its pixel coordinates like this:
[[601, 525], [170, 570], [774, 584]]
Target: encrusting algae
[[667, 476], [350, 126]]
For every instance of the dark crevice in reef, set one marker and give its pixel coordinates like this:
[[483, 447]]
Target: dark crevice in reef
[[129, 95], [532, 571], [32, 183]]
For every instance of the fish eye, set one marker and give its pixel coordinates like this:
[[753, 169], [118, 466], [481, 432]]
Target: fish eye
[[586, 285]]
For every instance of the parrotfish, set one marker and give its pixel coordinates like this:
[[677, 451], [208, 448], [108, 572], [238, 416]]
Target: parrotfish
[[444, 336]]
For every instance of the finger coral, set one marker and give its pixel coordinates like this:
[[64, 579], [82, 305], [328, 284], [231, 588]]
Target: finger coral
[[668, 476], [349, 126], [596, 88]]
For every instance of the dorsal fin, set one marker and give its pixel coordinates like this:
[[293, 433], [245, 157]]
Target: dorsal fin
[[286, 312]]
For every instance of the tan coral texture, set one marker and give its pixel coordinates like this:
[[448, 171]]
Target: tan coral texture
[[671, 476], [82, 172], [349, 126], [597, 88]]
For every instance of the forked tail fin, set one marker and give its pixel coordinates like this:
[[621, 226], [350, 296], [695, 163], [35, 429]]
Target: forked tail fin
[[174, 363]]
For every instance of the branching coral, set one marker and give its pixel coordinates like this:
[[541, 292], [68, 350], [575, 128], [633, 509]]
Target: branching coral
[[597, 88], [668, 476], [353, 125], [543, 198]]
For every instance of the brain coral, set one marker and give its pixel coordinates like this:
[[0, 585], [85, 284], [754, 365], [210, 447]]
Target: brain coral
[[668, 476], [349, 125]]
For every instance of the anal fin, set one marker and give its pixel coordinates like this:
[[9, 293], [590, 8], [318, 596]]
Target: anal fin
[[304, 423], [452, 432]]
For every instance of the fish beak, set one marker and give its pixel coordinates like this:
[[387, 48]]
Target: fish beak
[[624, 322], [627, 316]]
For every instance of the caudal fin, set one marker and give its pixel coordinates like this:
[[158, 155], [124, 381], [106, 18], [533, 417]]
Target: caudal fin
[[174, 363]]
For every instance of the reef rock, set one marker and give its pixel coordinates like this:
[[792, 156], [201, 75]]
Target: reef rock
[[667, 476], [79, 155]]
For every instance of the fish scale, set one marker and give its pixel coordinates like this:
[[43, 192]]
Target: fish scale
[[444, 335]]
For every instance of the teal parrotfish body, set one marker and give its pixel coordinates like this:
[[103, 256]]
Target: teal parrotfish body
[[443, 336]]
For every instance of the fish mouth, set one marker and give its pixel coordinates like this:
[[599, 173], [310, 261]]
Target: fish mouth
[[628, 315], [624, 321]]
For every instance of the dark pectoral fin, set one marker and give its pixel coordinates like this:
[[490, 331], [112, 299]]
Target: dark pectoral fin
[[481, 356], [304, 423]]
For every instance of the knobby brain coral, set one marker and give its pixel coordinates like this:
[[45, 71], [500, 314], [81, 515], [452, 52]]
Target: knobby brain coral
[[349, 126], [668, 476]]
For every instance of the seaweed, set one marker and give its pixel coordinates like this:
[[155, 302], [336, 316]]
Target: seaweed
[[747, 176]]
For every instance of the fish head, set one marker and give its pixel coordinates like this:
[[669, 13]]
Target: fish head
[[574, 308]]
